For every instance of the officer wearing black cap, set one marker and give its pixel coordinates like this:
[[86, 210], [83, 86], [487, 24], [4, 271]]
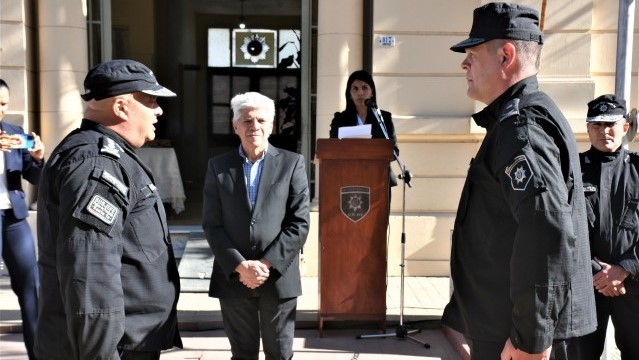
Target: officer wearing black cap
[[611, 185], [109, 281], [520, 260]]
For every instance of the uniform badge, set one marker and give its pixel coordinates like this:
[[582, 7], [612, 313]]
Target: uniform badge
[[110, 147], [355, 202], [604, 106], [103, 209], [519, 173], [590, 188]]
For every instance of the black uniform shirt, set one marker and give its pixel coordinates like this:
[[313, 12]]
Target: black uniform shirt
[[520, 261], [108, 273], [611, 185]]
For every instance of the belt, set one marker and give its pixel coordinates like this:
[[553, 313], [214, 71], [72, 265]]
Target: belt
[[7, 212]]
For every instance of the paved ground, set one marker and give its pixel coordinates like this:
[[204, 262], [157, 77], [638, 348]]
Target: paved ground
[[334, 345], [199, 312], [200, 319], [201, 325]]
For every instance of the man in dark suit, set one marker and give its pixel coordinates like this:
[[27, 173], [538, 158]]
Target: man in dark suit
[[16, 240], [255, 217]]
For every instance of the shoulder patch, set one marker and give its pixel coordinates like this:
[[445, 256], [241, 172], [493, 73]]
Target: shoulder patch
[[103, 209], [519, 173], [511, 108], [109, 147]]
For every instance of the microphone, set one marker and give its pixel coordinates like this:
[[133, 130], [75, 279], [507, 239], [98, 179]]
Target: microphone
[[378, 115], [380, 119], [370, 103]]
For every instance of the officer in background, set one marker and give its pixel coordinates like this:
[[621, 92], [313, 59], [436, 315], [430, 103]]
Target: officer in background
[[611, 185], [109, 279], [520, 260]]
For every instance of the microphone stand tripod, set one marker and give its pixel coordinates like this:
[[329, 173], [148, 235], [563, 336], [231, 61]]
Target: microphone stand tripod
[[402, 331]]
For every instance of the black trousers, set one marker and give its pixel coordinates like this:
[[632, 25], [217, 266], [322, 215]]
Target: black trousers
[[488, 350], [18, 252], [624, 313], [246, 318]]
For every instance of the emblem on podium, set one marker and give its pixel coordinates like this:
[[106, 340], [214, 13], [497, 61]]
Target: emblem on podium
[[355, 201]]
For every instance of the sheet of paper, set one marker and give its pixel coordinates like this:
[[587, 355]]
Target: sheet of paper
[[354, 132]]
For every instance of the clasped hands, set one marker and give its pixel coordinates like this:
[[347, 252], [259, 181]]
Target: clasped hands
[[253, 273], [609, 280]]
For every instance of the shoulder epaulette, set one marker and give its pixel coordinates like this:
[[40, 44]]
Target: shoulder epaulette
[[633, 157], [511, 108], [109, 147]]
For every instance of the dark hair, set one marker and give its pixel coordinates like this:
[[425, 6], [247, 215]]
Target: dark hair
[[361, 75], [3, 84]]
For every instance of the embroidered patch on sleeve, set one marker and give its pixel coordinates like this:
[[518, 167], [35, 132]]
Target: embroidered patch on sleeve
[[519, 173], [102, 209]]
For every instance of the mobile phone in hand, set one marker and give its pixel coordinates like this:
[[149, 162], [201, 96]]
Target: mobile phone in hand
[[21, 141]]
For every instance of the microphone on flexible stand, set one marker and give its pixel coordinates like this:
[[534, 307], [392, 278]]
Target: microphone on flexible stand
[[406, 176], [380, 120]]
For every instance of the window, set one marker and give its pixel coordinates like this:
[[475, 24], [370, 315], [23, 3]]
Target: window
[[98, 31], [254, 48]]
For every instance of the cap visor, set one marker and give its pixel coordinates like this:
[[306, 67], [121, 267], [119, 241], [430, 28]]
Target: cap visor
[[470, 42], [162, 92], [604, 118]]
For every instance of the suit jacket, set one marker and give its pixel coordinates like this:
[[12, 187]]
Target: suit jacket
[[275, 229], [19, 164], [349, 118]]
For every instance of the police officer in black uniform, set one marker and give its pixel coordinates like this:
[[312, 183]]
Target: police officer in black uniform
[[110, 284], [520, 260], [611, 185]]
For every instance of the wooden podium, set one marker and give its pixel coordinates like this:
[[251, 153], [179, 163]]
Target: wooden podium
[[353, 223]]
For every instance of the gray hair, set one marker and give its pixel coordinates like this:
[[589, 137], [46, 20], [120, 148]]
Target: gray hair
[[529, 52], [253, 100]]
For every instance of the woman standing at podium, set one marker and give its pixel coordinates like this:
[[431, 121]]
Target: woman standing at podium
[[359, 88]]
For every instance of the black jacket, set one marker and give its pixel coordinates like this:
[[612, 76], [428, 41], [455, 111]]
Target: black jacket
[[520, 259], [108, 273], [349, 118], [611, 185]]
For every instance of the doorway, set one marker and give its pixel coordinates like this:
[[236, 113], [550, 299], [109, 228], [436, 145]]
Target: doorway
[[283, 86]]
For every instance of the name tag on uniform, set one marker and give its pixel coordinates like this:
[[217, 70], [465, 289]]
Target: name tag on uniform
[[590, 188], [102, 209]]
